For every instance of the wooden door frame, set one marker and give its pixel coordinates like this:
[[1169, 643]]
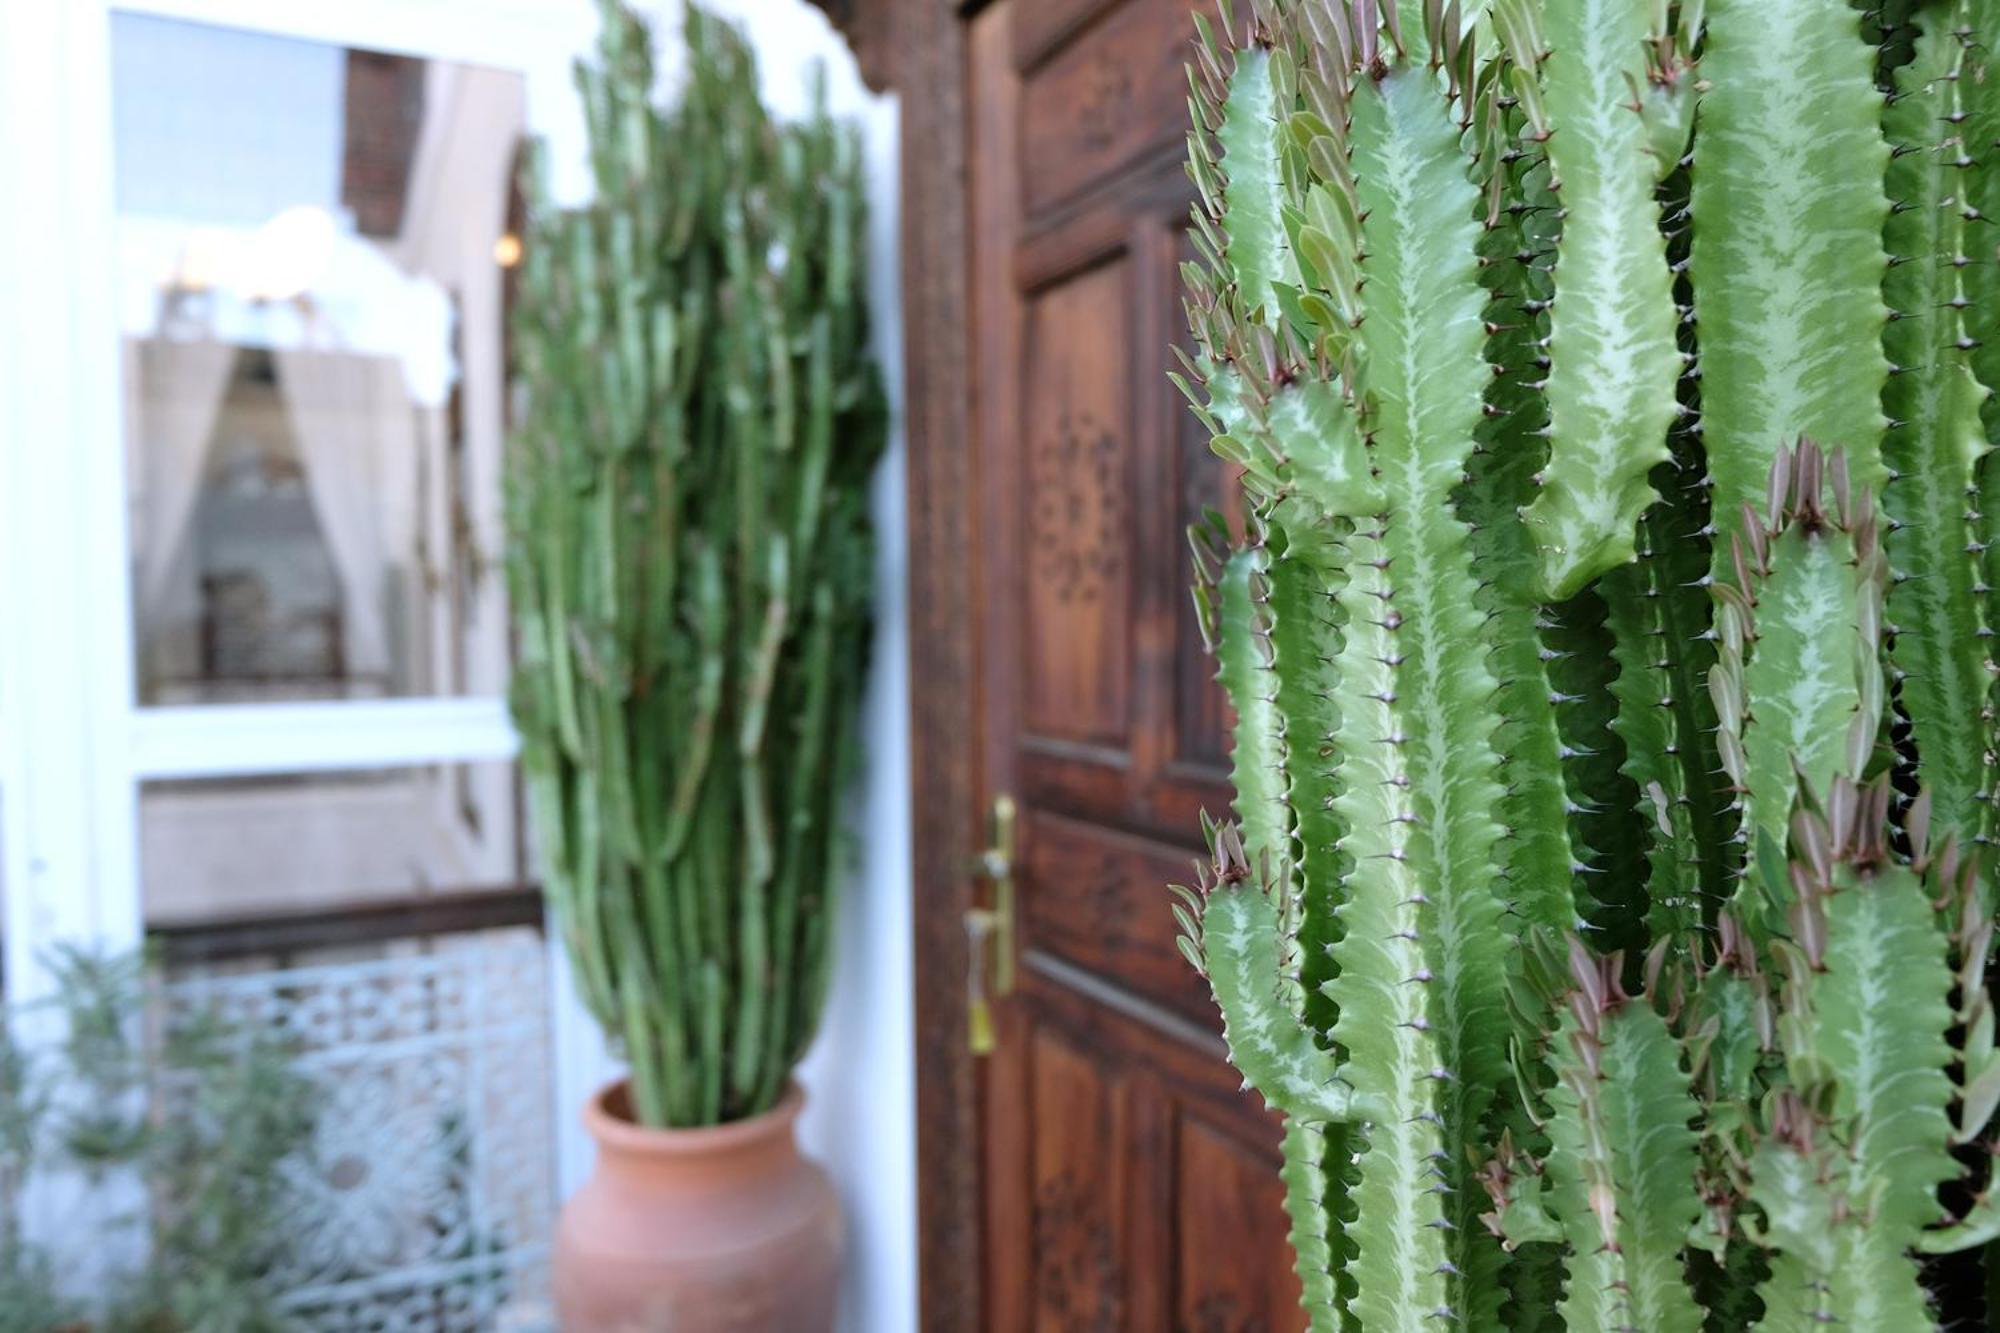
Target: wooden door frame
[[920, 49], [930, 39]]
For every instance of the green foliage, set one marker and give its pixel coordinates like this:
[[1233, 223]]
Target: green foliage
[[237, 1111], [206, 1116], [690, 564], [1607, 909]]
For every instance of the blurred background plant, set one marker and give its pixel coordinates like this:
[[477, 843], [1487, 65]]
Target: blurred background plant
[[691, 563], [205, 1114]]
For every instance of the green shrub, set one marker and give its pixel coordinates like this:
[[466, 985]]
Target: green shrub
[[203, 1115]]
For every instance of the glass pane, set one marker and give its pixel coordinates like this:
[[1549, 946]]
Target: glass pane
[[220, 850], [312, 251]]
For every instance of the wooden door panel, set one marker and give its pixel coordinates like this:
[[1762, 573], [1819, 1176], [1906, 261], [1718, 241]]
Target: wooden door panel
[[1130, 1185], [1091, 896], [1175, 764], [1077, 1212], [1183, 1058], [1101, 99], [1042, 26], [1078, 543], [1231, 1204], [1189, 1233]]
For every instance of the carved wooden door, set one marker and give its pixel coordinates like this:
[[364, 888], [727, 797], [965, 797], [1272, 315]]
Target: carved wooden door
[[1129, 1184]]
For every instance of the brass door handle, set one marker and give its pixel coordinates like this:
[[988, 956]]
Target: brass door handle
[[990, 929]]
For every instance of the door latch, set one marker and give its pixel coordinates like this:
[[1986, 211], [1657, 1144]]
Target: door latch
[[990, 929]]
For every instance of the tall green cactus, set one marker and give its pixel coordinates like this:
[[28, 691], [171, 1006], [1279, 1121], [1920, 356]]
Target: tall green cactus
[[691, 564], [1605, 905]]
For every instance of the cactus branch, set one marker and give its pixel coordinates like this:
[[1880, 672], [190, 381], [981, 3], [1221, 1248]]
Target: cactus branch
[[1788, 208], [1613, 359]]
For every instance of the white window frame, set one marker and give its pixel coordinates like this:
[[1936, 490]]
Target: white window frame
[[74, 743]]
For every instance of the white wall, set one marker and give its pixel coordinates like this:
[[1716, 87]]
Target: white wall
[[860, 1077]]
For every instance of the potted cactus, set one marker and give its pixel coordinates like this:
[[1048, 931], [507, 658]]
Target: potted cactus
[[690, 565], [1608, 897]]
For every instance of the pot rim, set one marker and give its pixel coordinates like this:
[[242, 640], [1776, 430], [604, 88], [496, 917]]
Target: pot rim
[[613, 1131]]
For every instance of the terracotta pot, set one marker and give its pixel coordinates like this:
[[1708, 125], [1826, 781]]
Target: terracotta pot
[[721, 1230]]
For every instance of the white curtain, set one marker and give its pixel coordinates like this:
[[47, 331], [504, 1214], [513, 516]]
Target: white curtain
[[356, 431], [179, 399]]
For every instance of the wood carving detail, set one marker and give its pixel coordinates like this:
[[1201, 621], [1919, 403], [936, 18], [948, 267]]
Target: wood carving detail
[[1114, 91], [1075, 1212], [1091, 876], [1223, 1313], [1091, 897], [1078, 526], [1103, 104], [1077, 1275], [1075, 513]]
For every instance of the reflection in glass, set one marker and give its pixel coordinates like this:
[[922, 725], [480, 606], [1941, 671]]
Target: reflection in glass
[[227, 849], [311, 291]]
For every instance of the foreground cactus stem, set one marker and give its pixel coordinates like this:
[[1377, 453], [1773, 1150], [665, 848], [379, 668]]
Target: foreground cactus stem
[[690, 564], [1613, 363], [1606, 904]]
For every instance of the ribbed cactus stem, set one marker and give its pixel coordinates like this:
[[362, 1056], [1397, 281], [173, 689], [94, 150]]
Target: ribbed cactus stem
[[1420, 802], [1623, 1156], [1936, 438], [1311, 1169], [1659, 618], [1850, 1185], [1543, 857], [1308, 635], [1612, 355], [1798, 686], [1788, 208]]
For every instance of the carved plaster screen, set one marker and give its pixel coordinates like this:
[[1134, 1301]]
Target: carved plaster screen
[[423, 1200]]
